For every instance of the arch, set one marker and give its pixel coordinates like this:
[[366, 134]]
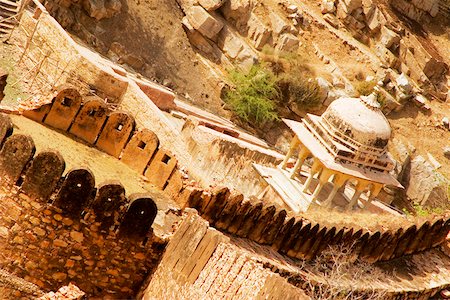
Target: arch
[[139, 217], [89, 120], [140, 150], [6, 127], [16, 152], [109, 203], [43, 175], [115, 133], [76, 191], [65, 106]]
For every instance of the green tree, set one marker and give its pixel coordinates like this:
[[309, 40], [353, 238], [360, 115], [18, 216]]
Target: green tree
[[254, 95]]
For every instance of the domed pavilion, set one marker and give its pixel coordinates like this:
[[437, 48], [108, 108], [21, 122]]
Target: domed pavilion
[[348, 143]]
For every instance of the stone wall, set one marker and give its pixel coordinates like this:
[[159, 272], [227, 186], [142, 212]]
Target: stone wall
[[57, 230], [214, 267], [300, 238], [113, 132]]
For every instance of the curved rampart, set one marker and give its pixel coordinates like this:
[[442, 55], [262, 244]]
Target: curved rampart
[[300, 238]]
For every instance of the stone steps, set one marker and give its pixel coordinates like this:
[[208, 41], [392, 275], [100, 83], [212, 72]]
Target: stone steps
[[8, 14]]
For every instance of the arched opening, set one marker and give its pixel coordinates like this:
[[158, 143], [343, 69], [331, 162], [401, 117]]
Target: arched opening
[[138, 219]]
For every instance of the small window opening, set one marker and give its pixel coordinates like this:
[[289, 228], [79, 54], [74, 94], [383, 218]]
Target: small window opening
[[109, 200], [119, 127], [142, 145], [78, 185], [166, 159], [66, 101], [91, 112], [141, 212]]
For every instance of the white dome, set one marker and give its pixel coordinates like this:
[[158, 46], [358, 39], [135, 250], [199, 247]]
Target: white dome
[[360, 119]]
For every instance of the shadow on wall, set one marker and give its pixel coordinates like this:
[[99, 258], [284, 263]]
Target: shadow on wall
[[40, 178], [297, 237], [112, 132]]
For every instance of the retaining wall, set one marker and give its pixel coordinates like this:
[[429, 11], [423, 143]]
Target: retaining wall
[[55, 230]]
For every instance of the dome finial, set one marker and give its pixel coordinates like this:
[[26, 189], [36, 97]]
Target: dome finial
[[371, 101]]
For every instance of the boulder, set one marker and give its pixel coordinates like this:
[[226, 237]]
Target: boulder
[[327, 6], [376, 20], [237, 12], [351, 5], [246, 59], [287, 42], [389, 37], [229, 43], [332, 20], [324, 88], [101, 9], [211, 5], [204, 22], [258, 32], [447, 152], [186, 4], [425, 185], [292, 9], [279, 25]]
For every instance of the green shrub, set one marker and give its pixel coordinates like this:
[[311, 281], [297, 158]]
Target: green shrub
[[365, 88], [254, 95], [303, 92]]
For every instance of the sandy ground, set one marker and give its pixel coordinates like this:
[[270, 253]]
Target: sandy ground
[[78, 154]]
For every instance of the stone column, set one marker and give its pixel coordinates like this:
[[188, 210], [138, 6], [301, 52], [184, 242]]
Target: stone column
[[294, 144], [323, 179], [315, 168], [338, 181], [302, 155], [374, 192], [358, 191]]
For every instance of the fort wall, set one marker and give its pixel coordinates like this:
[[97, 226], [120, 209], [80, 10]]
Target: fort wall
[[57, 230]]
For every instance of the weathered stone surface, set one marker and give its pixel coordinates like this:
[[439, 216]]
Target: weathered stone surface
[[288, 42], [160, 168], [229, 43], [258, 32], [115, 133], [64, 108], [109, 203], [327, 6], [3, 78], [204, 22], [39, 113], [140, 149], [14, 156], [6, 127], [89, 120], [211, 4], [279, 24], [238, 13], [376, 20], [43, 175], [139, 217], [101, 9], [389, 37], [76, 192]]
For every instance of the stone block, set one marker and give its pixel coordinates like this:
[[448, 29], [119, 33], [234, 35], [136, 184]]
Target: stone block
[[327, 7], [352, 4], [89, 120], [140, 150], [38, 114], [237, 12], [288, 43], [6, 127], [204, 22], [389, 37], [65, 107], [161, 96], [246, 59], [211, 4], [109, 203], [230, 43], [279, 24], [174, 185], [258, 32], [115, 133], [161, 168], [16, 152], [76, 192], [376, 20], [139, 217], [43, 175]]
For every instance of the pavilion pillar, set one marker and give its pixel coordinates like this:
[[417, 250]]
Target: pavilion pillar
[[338, 181], [358, 191], [323, 179], [374, 192], [294, 144], [315, 168], [302, 155]]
